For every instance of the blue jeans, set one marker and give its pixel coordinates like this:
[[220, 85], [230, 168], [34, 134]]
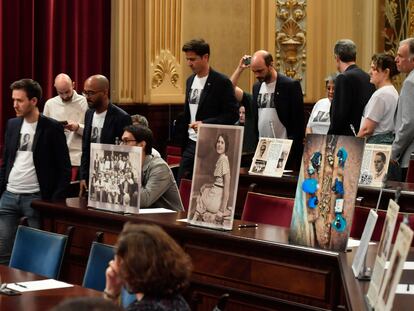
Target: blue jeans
[[12, 208]]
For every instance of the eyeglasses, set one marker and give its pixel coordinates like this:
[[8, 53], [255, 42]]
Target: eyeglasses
[[90, 93], [126, 141]]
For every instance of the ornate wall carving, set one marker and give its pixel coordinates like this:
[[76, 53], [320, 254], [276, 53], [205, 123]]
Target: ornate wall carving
[[291, 38]]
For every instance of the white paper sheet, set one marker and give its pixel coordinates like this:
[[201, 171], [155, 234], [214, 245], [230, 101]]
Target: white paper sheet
[[408, 265], [38, 285], [402, 289], [155, 211]]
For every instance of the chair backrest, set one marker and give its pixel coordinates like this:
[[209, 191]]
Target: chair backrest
[[222, 302], [410, 172], [98, 260], [268, 209], [127, 298], [38, 251], [360, 218], [185, 192]]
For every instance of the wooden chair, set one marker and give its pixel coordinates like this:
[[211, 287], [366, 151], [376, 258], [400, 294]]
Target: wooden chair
[[185, 192], [268, 209]]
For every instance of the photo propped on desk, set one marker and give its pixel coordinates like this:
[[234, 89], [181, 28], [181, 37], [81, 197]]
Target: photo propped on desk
[[392, 277], [270, 157], [216, 176], [326, 191], [383, 252], [115, 178], [374, 165]]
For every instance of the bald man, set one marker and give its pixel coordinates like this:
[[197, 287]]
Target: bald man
[[69, 108], [277, 106], [103, 118]]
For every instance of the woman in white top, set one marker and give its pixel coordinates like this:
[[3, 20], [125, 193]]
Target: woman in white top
[[319, 120], [377, 123]]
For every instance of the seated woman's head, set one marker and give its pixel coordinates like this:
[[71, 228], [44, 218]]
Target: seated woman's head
[[150, 261]]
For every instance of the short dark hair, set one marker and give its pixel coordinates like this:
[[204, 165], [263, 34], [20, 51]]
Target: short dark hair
[[152, 262], [384, 61], [226, 141], [198, 46], [345, 49], [268, 58], [141, 133], [381, 155], [31, 87], [139, 119], [86, 304]]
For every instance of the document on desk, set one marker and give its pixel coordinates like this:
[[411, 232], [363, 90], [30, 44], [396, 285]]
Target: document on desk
[[37, 285], [155, 211]]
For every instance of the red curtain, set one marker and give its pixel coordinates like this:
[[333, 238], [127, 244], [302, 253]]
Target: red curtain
[[41, 38]]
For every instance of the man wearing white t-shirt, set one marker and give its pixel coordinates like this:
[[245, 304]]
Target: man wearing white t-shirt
[[36, 163], [104, 122], [278, 105], [69, 108], [209, 99]]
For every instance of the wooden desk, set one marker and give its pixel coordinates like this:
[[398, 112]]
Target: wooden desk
[[36, 300], [258, 267], [355, 290]]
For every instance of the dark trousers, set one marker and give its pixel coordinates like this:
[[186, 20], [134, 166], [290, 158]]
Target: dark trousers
[[187, 162]]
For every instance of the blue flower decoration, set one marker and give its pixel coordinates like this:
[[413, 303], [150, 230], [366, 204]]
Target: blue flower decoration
[[342, 156], [313, 202], [310, 185], [338, 188], [339, 223]]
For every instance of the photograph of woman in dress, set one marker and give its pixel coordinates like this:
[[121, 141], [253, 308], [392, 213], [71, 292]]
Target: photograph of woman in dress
[[212, 200]]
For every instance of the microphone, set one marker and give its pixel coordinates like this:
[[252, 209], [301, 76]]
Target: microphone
[[272, 128], [353, 129]]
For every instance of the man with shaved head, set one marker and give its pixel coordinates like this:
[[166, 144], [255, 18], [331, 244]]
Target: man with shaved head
[[277, 105], [69, 108], [103, 118]]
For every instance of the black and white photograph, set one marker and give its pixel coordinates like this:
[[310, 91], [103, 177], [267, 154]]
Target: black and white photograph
[[216, 174], [115, 175]]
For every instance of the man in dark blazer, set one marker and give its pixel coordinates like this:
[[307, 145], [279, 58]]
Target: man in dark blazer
[[277, 106], [42, 170], [352, 91], [209, 99], [102, 118]]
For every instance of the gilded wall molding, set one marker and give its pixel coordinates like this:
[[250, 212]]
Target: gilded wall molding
[[165, 69], [291, 38]]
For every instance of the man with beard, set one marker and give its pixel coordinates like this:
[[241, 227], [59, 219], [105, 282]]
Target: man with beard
[[103, 118], [41, 170], [277, 106], [209, 99], [68, 107]]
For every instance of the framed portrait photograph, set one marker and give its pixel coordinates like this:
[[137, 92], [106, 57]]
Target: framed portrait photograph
[[374, 165], [216, 176], [115, 178], [326, 191]]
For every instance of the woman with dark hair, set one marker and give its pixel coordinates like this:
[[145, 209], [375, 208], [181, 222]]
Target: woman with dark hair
[[149, 263], [213, 198], [377, 123]]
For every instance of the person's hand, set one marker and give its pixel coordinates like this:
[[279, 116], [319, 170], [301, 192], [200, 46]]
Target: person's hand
[[82, 188], [72, 126], [195, 125], [394, 162], [113, 283]]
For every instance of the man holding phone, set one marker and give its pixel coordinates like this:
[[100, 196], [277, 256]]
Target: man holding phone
[[69, 108]]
